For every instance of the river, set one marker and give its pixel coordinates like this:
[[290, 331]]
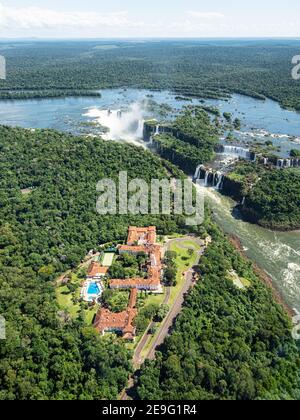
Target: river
[[277, 253], [261, 120]]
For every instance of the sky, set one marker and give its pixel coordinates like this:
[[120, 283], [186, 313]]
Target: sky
[[149, 19]]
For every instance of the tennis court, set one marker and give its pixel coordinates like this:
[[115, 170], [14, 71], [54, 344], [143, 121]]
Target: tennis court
[[108, 259]]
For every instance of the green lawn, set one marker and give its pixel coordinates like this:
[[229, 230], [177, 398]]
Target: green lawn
[[181, 250], [184, 262], [65, 301]]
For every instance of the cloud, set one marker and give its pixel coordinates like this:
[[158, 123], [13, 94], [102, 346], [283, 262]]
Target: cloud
[[205, 15], [36, 17], [44, 22]]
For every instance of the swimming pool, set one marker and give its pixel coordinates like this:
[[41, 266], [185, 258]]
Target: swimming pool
[[94, 290]]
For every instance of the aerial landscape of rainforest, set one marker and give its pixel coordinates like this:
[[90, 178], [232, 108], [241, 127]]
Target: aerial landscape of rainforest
[[149, 203]]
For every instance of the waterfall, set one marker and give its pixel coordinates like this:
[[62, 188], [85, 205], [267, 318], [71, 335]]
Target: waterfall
[[296, 163], [239, 152], [156, 130], [243, 201], [280, 163], [266, 161], [206, 178], [198, 172], [210, 178], [219, 185]]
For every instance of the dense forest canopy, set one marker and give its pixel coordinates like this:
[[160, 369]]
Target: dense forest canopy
[[227, 343], [272, 196], [274, 201], [189, 141], [213, 69], [48, 224]]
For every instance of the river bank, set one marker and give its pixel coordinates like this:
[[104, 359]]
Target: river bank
[[266, 279], [277, 253]]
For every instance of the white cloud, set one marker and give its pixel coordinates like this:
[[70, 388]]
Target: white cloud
[[35, 17], [44, 22], [205, 15]]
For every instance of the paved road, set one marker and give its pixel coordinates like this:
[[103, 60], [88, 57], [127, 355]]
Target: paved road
[[168, 321], [137, 357], [176, 308]]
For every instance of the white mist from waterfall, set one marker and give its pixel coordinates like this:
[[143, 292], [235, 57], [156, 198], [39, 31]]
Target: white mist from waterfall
[[122, 125]]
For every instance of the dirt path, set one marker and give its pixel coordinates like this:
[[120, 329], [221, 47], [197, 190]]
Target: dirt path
[[84, 264]]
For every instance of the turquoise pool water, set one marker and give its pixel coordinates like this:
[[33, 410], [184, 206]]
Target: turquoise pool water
[[94, 289]]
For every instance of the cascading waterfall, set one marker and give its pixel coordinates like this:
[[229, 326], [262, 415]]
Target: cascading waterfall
[[238, 152], [219, 185], [124, 125], [207, 173], [209, 177], [197, 172]]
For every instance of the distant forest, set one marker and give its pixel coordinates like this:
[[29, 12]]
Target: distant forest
[[207, 69]]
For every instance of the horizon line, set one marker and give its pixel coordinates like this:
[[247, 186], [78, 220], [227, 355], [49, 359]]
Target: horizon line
[[294, 38]]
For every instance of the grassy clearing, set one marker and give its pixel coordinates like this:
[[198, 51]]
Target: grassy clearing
[[246, 283], [68, 300], [184, 261], [154, 299], [65, 301], [239, 282]]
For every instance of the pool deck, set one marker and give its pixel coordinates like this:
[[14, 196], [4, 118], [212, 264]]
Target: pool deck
[[86, 296]]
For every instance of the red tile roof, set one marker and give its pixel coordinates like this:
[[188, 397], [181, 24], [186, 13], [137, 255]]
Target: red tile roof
[[146, 235], [122, 321], [152, 281], [133, 249], [96, 269]]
